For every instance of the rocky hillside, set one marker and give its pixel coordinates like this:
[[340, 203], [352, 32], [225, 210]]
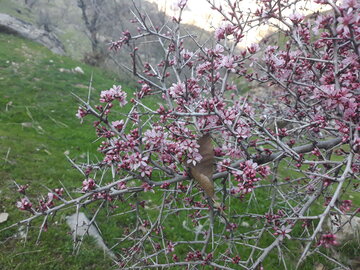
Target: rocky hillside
[[85, 28]]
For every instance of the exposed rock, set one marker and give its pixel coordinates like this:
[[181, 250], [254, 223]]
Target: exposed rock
[[62, 70], [345, 227], [16, 26], [319, 266], [245, 224], [79, 70], [83, 228], [73, 70], [26, 124], [3, 217], [355, 263]]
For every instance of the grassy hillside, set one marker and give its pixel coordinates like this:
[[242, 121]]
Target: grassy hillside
[[38, 124]]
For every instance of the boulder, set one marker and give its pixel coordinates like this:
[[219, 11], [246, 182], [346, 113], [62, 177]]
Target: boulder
[[19, 27], [79, 70], [3, 217], [80, 224], [345, 227]]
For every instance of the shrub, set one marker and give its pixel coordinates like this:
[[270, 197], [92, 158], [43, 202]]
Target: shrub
[[287, 155]]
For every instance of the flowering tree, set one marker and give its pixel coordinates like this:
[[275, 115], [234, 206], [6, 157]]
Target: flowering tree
[[286, 158]]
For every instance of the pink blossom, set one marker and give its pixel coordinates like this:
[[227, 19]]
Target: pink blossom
[[346, 205], [165, 186], [344, 23], [218, 50], [321, 22], [24, 204], [181, 3], [264, 170], [177, 90], [50, 197], [283, 232], [303, 32], [236, 259], [88, 184], [223, 31], [231, 227], [328, 240], [246, 176], [242, 130], [193, 158], [121, 185], [147, 187], [116, 45], [228, 63], [203, 68], [275, 62], [296, 18], [253, 48], [220, 33], [145, 90], [81, 113], [170, 247], [45, 205], [155, 136], [145, 171], [118, 124], [136, 160], [113, 93], [223, 165], [350, 4], [59, 192], [337, 97], [23, 188], [187, 55]]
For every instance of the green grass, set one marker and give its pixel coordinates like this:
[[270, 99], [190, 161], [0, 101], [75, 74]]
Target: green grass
[[38, 124]]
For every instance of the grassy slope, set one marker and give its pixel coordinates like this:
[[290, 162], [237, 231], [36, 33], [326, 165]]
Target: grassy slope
[[38, 124]]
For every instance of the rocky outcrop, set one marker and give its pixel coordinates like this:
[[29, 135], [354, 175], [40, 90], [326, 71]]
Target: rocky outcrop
[[16, 26], [81, 226], [345, 227]]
